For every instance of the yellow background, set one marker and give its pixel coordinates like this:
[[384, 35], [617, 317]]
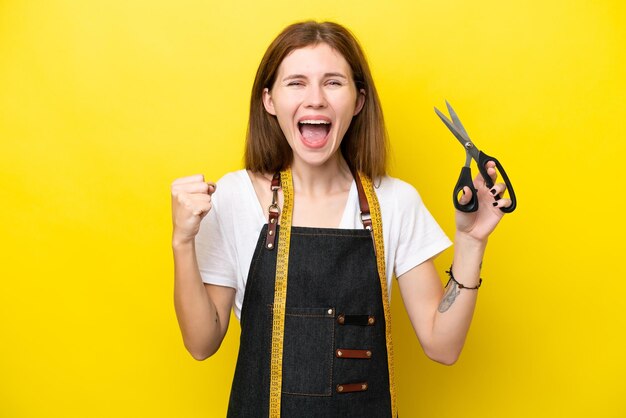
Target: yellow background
[[104, 103]]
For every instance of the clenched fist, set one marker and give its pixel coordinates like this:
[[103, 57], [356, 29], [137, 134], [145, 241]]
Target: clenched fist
[[191, 201]]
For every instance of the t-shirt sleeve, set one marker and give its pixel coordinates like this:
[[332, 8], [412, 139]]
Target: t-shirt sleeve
[[215, 250], [419, 235]]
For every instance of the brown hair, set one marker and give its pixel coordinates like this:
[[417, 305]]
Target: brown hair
[[364, 145]]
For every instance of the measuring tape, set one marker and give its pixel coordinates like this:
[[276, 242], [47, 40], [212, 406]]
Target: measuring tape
[[280, 289], [379, 248], [280, 295]]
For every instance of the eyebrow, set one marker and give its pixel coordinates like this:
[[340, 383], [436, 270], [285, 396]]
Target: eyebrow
[[326, 75]]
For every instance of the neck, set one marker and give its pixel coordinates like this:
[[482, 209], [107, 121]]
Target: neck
[[334, 175]]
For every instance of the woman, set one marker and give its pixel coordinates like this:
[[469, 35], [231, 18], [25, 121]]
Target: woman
[[311, 294]]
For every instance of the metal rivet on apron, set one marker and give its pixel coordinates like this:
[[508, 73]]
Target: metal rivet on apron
[[272, 221], [371, 320], [364, 386], [341, 319], [339, 388], [330, 311], [270, 245], [368, 353], [270, 232], [339, 353]]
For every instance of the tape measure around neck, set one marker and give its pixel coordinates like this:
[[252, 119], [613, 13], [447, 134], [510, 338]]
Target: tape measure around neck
[[280, 289]]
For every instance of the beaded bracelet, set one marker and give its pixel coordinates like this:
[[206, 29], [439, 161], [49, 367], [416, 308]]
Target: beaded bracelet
[[461, 285]]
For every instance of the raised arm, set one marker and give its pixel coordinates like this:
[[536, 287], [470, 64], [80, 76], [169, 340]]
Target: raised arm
[[203, 310], [441, 317]]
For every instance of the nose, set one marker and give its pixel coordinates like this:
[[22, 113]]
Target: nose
[[315, 97]]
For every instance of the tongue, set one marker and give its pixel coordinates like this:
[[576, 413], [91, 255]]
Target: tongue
[[313, 133]]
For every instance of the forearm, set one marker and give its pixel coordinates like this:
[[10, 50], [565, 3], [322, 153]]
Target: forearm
[[197, 314], [454, 313]]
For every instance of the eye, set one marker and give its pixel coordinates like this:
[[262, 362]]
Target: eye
[[334, 83], [295, 83]]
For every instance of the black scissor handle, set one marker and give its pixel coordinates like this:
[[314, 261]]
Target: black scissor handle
[[465, 179], [483, 159]]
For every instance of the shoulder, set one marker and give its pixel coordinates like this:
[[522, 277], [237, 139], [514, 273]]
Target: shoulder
[[235, 198], [231, 186], [233, 193], [234, 179], [397, 193]]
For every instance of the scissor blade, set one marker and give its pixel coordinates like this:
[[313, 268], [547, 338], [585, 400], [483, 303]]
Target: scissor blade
[[456, 121], [460, 136]]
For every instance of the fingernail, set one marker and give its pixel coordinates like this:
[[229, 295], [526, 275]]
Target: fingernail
[[495, 203], [493, 191]]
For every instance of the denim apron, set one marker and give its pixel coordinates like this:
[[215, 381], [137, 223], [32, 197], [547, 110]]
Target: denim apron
[[334, 360]]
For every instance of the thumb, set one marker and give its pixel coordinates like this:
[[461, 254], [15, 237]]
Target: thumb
[[466, 196]]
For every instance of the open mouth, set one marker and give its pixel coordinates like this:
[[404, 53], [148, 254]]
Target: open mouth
[[314, 131]]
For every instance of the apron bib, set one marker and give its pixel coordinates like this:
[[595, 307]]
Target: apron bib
[[333, 337]]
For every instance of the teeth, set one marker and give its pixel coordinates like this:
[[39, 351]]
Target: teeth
[[315, 122]]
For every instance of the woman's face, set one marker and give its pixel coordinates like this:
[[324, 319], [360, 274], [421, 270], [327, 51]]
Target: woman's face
[[314, 99]]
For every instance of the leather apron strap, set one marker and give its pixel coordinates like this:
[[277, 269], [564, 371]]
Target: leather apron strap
[[280, 296], [379, 247], [372, 221]]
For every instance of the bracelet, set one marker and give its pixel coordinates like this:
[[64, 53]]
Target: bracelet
[[461, 285]]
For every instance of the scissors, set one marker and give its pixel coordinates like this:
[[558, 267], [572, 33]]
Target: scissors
[[472, 152]]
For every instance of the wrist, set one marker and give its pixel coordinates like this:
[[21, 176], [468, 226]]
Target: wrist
[[183, 244], [462, 239], [468, 257]]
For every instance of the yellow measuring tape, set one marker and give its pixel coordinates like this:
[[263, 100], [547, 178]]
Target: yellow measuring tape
[[379, 247], [280, 289], [280, 295]]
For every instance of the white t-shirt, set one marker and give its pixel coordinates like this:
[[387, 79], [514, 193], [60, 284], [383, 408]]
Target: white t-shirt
[[228, 234]]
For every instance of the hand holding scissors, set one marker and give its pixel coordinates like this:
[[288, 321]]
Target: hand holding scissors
[[465, 178]]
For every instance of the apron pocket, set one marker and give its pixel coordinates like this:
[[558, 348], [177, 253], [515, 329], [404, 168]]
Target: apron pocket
[[308, 351]]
